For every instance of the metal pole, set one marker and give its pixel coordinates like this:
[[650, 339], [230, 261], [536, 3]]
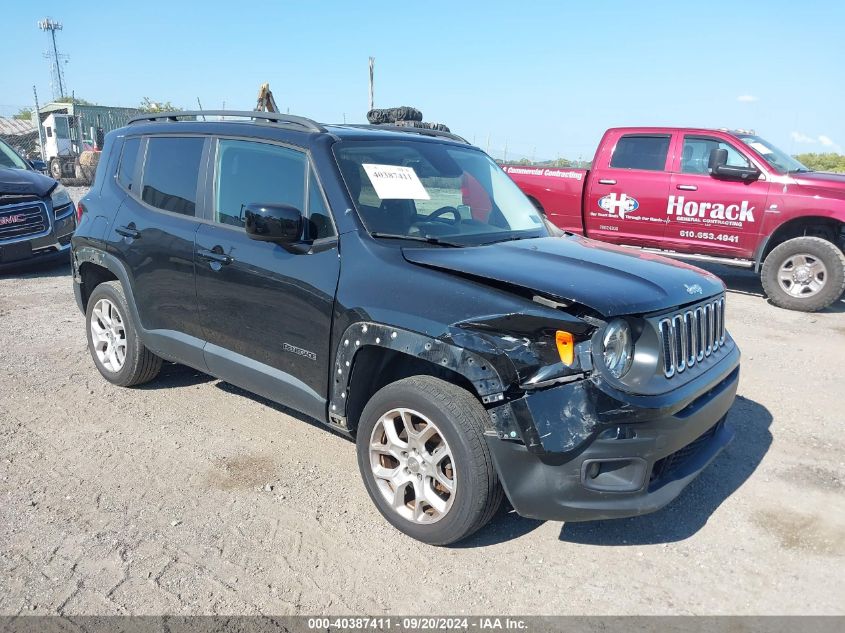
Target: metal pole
[[58, 65], [372, 67], [37, 116]]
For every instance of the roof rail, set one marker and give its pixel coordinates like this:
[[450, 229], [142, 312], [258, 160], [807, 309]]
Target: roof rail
[[273, 117], [413, 130]]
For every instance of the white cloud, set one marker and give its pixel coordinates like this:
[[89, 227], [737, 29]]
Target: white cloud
[[800, 137], [821, 139], [746, 98]]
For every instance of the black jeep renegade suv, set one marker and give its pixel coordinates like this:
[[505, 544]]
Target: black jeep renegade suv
[[394, 284]]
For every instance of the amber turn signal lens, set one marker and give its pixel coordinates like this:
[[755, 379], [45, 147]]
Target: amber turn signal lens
[[565, 346]]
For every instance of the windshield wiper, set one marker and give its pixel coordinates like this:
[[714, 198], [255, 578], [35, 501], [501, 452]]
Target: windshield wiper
[[800, 170], [417, 238]]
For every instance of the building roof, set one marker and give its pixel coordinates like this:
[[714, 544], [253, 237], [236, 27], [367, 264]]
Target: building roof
[[16, 127]]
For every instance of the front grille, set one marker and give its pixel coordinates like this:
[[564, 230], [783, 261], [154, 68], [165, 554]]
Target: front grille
[[22, 220], [689, 337], [666, 467]]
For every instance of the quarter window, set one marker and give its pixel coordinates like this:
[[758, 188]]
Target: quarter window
[[128, 160], [696, 154], [170, 176], [641, 152]]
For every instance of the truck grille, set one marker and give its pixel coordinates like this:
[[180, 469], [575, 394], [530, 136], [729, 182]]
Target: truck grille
[[22, 220], [691, 336]]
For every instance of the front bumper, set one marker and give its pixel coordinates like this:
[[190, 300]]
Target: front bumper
[[620, 468], [51, 246]]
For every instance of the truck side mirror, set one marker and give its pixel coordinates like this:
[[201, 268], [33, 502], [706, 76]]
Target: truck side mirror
[[280, 223], [717, 164]]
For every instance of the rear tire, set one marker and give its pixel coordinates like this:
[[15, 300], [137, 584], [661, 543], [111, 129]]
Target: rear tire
[[804, 273], [113, 339], [401, 476]]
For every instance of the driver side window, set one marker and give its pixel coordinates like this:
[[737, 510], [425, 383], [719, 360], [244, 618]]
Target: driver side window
[[696, 154]]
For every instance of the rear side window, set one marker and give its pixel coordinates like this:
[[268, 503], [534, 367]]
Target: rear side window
[[170, 175], [128, 161], [641, 152]]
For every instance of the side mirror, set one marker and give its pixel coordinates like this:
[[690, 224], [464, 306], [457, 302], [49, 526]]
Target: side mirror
[[280, 223], [719, 168], [38, 165]]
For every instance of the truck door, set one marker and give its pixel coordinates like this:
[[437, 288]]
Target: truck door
[[711, 215], [626, 200]]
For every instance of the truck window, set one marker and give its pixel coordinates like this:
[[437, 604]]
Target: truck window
[[636, 151], [249, 172], [170, 175], [696, 154], [128, 160]]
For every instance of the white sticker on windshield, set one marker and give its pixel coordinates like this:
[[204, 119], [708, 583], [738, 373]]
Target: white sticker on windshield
[[762, 149], [394, 182]]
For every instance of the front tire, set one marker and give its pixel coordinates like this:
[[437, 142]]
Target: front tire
[[425, 462], [804, 273], [113, 340]]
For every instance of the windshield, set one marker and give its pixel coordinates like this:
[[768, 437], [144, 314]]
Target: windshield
[[434, 192], [780, 161], [8, 158]]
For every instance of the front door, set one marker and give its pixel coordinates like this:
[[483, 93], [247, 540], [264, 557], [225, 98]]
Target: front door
[[711, 215], [626, 200], [266, 312]]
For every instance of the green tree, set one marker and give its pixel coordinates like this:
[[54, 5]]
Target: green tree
[[74, 100], [25, 114], [823, 162], [148, 105]]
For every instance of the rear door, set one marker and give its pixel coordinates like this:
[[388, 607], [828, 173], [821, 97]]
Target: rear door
[[712, 215], [627, 190], [266, 312], [153, 234]]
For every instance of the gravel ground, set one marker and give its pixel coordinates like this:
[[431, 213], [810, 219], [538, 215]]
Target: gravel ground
[[189, 496]]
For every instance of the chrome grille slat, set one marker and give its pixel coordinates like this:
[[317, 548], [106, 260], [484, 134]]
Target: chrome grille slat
[[687, 338], [34, 220]]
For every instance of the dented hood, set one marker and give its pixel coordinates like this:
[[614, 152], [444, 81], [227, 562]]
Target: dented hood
[[612, 280], [24, 182]]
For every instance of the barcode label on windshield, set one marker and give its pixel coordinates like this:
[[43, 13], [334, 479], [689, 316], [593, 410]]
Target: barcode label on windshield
[[394, 182]]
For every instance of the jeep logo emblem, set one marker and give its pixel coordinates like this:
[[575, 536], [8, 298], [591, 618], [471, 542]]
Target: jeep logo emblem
[[694, 289]]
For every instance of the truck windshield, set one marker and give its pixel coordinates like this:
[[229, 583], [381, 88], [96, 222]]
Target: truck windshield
[[779, 160], [10, 159], [434, 192]]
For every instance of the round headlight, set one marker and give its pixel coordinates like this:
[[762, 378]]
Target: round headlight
[[618, 348]]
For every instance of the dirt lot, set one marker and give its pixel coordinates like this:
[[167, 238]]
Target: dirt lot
[[190, 496]]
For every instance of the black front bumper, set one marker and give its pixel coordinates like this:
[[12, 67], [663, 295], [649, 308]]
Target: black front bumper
[[618, 469], [51, 246]]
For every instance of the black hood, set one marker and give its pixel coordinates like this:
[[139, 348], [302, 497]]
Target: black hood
[[611, 280], [23, 181]]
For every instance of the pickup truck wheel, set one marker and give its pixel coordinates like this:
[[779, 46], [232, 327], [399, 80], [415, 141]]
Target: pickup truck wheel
[[425, 462], [113, 340], [804, 273]]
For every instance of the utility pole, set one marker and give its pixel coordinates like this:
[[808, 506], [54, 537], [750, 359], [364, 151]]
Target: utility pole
[[37, 116], [372, 70], [58, 81]]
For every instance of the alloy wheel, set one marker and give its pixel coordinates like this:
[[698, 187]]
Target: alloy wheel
[[802, 275], [412, 465], [108, 335]]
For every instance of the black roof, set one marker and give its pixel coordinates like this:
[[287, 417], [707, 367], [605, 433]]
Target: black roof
[[268, 123]]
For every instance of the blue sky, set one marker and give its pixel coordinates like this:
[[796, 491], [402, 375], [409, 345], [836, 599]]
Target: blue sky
[[543, 78]]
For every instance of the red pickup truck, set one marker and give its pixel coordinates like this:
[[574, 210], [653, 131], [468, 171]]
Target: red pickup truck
[[706, 195]]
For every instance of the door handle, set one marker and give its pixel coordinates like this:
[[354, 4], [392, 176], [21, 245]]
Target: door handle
[[214, 255], [128, 231], [687, 187], [607, 181]]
